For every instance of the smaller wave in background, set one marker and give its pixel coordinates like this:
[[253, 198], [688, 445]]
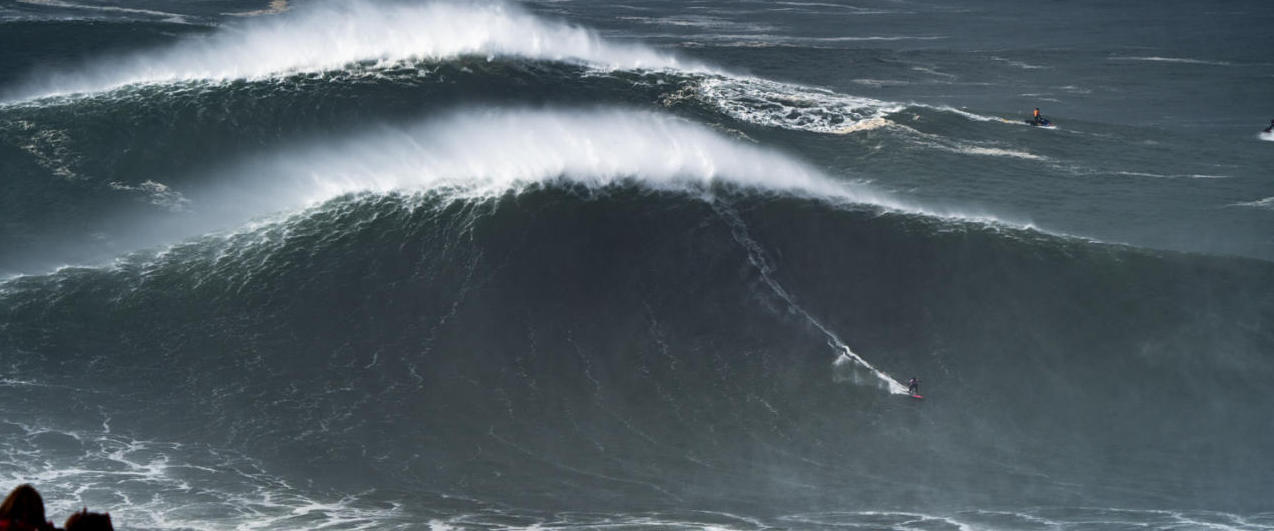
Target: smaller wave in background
[[361, 37], [330, 35]]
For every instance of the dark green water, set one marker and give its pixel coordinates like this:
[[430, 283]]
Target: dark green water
[[649, 265]]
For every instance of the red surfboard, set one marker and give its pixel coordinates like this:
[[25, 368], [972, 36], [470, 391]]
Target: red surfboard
[[917, 396]]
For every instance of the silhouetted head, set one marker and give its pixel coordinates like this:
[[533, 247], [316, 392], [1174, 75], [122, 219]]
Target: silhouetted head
[[24, 505], [86, 521]]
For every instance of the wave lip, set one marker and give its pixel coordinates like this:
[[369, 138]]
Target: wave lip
[[331, 35], [488, 152]]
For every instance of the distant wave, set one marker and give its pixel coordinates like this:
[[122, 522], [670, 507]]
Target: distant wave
[[334, 36], [331, 35]]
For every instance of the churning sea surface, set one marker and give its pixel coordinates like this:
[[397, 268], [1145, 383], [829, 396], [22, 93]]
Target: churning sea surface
[[639, 264]]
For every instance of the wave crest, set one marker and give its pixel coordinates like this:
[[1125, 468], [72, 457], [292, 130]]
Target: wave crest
[[493, 151]]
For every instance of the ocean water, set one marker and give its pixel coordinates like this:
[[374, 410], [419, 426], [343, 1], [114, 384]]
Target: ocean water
[[638, 265]]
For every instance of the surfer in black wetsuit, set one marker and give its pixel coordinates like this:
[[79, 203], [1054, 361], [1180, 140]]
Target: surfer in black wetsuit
[[1270, 129], [913, 386], [1038, 119]]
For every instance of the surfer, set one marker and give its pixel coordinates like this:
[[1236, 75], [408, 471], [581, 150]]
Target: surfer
[[913, 385], [1037, 119], [1270, 129]]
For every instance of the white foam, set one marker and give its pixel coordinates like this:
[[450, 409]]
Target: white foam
[[775, 104], [331, 35], [154, 484]]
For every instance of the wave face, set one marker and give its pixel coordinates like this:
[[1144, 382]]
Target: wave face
[[623, 348], [469, 265]]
